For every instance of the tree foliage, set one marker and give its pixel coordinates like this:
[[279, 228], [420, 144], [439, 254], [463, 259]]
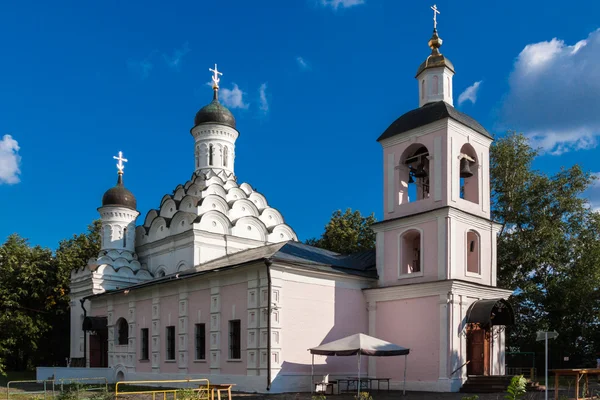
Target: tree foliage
[[548, 248], [347, 233], [34, 298]]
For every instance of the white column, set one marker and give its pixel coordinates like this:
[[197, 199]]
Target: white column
[[372, 307]]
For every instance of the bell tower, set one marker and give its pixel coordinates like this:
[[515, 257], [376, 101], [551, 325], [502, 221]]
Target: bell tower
[[436, 246], [436, 187]]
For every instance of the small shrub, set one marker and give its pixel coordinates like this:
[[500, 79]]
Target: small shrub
[[187, 394], [517, 388], [364, 396], [319, 397], [474, 397]]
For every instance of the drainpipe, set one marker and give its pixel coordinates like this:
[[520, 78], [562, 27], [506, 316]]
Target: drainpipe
[[82, 301], [268, 264]]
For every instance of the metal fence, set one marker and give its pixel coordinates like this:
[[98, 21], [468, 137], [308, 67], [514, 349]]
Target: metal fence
[[164, 389], [527, 372]]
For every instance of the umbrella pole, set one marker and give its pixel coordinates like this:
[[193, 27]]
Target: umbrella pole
[[404, 384], [358, 385], [312, 375]]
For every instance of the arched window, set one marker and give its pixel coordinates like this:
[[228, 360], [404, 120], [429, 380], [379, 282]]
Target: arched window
[[225, 156], [468, 174], [473, 252], [124, 237], [122, 331], [414, 174], [210, 154], [411, 253], [423, 89], [161, 272], [435, 85]]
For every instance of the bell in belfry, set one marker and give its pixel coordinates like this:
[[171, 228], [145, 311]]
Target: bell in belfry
[[465, 168], [420, 171]]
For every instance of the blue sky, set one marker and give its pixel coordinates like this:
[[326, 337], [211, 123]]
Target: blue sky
[[312, 84]]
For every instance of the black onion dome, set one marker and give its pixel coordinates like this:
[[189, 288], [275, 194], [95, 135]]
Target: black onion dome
[[215, 112], [118, 195]]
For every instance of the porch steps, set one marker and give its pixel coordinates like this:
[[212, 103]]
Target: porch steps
[[486, 384]]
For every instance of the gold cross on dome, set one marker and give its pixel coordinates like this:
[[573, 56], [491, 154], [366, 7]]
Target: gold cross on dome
[[120, 165]]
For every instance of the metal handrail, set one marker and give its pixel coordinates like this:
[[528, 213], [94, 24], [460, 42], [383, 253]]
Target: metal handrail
[[453, 372]]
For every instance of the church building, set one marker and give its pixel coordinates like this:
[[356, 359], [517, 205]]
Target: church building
[[214, 284]]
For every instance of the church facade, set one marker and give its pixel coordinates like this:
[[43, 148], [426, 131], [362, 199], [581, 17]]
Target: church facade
[[214, 284]]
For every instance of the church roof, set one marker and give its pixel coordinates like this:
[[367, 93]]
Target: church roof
[[291, 252], [299, 254], [213, 201], [427, 114]]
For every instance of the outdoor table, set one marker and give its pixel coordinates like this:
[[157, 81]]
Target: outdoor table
[[352, 380], [218, 388], [578, 374], [379, 380]]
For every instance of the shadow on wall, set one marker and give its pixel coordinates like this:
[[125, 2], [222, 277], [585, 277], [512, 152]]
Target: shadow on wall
[[350, 316]]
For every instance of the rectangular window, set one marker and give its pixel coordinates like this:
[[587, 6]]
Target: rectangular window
[[200, 342], [170, 343], [144, 349], [235, 348]]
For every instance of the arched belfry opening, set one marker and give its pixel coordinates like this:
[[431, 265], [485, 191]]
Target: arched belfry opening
[[414, 174], [411, 252], [469, 174]]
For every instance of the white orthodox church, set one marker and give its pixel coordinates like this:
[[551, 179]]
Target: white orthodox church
[[214, 284]]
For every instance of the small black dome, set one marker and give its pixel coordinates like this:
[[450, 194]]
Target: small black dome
[[118, 195], [215, 112]]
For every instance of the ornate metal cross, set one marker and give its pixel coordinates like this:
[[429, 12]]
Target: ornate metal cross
[[120, 165], [215, 77], [435, 13]]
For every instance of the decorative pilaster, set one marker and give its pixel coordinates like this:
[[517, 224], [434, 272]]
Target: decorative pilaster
[[156, 331], [215, 327], [132, 342], [372, 308], [252, 332], [111, 332], [183, 356]]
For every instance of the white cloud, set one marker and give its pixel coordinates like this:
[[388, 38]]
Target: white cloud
[[142, 68], [264, 103], [10, 160], [553, 94], [593, 193], [341, 3], [470, 93], [302, 63], [233, 98], [174, 61]]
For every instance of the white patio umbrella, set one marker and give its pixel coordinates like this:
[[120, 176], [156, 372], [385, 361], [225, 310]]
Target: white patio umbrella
[[360, 344]]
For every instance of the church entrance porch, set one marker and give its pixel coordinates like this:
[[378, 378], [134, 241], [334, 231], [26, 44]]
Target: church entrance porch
[[97, 329], [99, 349], [478, 350]]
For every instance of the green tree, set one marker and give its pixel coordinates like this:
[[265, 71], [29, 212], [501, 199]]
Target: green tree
[[71, 254], [347, 233], [34, 298], [27, 280], [548, 248]]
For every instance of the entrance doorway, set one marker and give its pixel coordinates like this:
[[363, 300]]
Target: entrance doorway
[[99, 348], [478, 350]]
